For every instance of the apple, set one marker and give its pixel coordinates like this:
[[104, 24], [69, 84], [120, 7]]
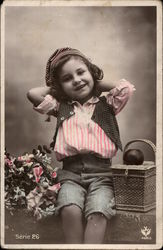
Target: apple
[[133, 157]]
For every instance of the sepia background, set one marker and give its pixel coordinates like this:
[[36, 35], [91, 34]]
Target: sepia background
[[120, 40]]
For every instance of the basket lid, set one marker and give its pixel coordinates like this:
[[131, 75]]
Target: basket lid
[[146, 165]]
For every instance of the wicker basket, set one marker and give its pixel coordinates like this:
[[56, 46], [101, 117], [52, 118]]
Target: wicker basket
[[135, 185]]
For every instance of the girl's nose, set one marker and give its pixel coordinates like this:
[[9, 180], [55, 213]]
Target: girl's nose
[[76, 80]]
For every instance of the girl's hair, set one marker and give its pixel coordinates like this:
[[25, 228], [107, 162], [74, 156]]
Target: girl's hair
[[53, 71]]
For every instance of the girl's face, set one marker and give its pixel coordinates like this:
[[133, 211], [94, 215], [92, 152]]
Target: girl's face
[[76, 80]]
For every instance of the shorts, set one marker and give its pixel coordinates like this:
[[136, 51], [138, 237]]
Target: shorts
[[87, 183]]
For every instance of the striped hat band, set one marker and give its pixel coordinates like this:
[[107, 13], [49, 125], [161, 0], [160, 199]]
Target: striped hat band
[[64, 52]]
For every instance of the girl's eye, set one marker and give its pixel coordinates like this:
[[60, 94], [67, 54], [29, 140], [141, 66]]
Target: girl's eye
[[66, 78], [80, 72]]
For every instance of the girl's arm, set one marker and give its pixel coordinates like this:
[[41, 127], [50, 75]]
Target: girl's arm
[[36, 95], [118, 96], [43, 100], [104, 86]]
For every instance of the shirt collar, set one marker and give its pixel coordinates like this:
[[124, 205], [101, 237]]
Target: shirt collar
[[92, 100]]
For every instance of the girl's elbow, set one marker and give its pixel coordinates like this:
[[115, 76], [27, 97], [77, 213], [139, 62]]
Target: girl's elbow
[[30, 95], [33, 96]]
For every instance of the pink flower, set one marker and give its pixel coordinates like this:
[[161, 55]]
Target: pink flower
[[27, 158], [38, 171], [54, 174], [8, 162], [55, 187]]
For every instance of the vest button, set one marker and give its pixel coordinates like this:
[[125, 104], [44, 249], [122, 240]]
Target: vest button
[[71, 112], [62, 118]]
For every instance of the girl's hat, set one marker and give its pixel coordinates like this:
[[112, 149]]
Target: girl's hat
[[54, 59]]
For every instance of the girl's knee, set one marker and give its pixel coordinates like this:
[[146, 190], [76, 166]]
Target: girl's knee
[[97, 217], [71, 211]]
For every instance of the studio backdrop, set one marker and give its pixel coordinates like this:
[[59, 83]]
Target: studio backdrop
[[120, 40]]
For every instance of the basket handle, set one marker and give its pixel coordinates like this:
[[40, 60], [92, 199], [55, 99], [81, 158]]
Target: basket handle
[[151, 144]]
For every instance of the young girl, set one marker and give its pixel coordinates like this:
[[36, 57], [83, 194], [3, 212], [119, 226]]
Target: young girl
[[86, 139]]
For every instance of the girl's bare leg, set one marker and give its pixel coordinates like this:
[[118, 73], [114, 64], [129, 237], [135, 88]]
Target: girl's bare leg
[[72, 223], [95, 229]]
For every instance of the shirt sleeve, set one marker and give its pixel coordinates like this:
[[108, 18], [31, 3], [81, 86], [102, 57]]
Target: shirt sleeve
[[119, 96], [48, 105]]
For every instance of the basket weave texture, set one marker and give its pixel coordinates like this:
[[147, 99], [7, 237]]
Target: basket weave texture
[[135, 185]]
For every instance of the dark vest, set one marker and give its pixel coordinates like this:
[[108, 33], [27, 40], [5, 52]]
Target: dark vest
[[103, 115]]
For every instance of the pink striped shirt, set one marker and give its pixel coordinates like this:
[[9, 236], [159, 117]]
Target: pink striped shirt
[[79, 134]]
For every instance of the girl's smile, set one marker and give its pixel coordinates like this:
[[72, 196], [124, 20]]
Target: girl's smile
[[76, 80]]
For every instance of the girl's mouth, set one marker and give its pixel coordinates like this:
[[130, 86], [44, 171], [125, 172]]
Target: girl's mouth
[[80, 87]]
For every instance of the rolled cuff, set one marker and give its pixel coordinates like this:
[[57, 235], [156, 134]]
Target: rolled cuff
[[48, 104], [118, 96]]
